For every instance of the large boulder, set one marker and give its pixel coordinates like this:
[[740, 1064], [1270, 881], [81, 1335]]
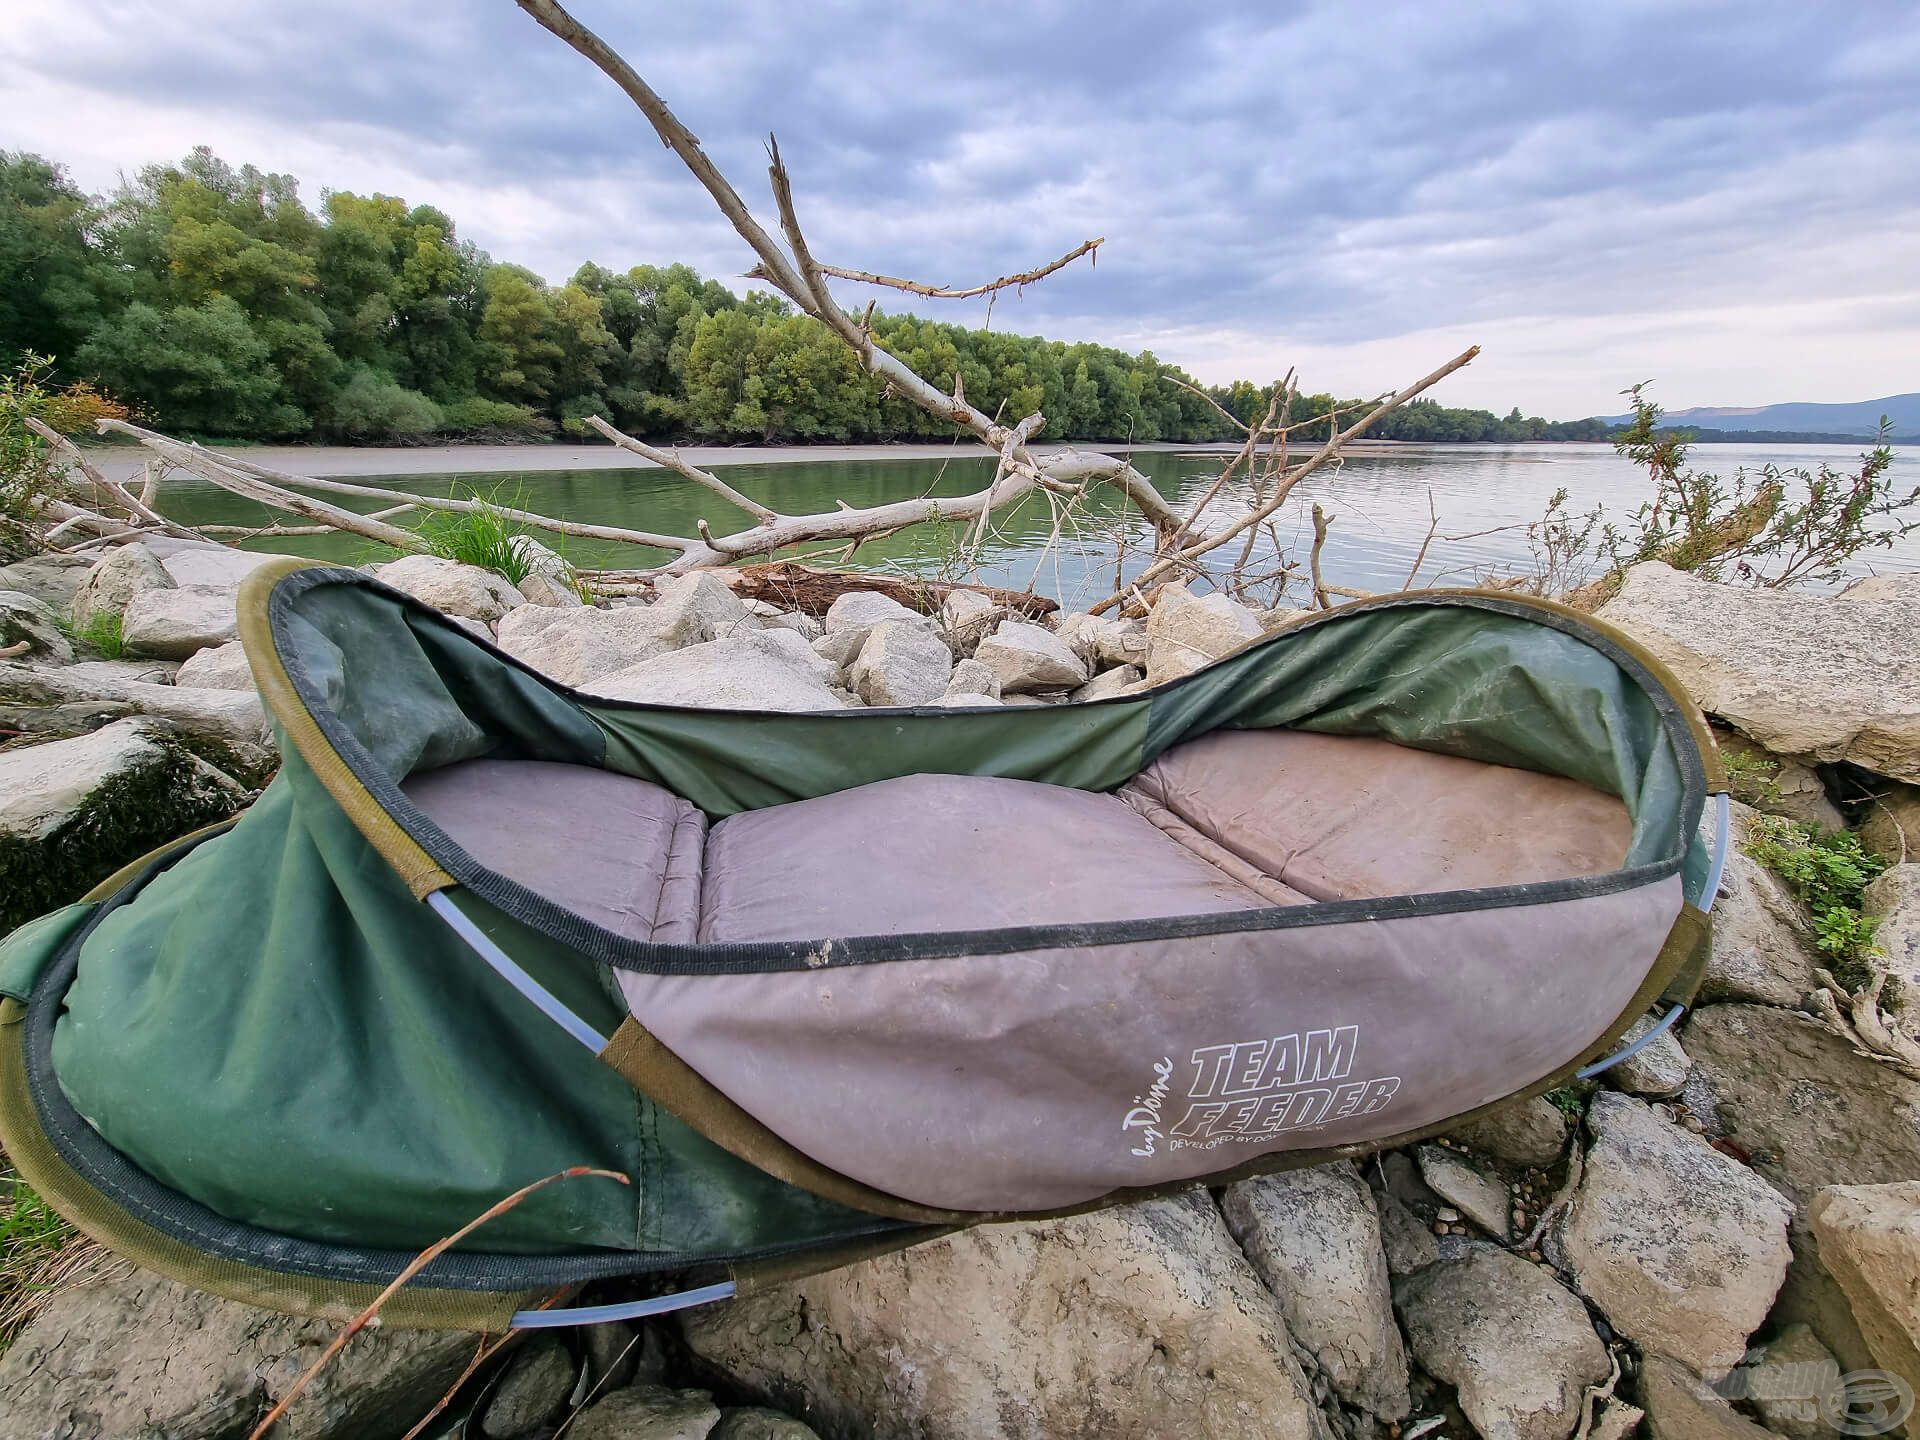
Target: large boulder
[[1810, 1108], [858, 611], [232, 718], [1185, 632], [1894, 901], [549, 580], [1870, 1242], [222, 668], [202, 562], [1682, 1248], [967, 616], [648, 1412], [971, 678], [175, 624], [72, 811], [1530, 1132], [1313, 1236], [900, 664], [690, 609], [1829, 678], [53, 579], [1029, 657], [464, 591], [25, 620], [1143, 1320], [1513, 1341], [729, 674], [1682, 1406], [1762, 943], [116, 579], [131, 1356], [1658, 1068], [576, 646]]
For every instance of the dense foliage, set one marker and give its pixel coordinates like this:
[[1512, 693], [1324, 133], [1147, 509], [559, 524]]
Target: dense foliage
[[216, 302]]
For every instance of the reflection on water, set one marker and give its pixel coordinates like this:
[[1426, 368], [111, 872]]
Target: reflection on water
[[1380, 504]]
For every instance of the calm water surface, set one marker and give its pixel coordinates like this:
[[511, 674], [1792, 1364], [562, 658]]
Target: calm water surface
[[1380, 504]]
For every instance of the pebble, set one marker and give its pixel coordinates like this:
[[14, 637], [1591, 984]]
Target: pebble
[[1446, 1213]]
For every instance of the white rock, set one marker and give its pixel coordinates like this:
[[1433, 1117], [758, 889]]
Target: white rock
[[970, 677], [1511, 1339], [223, 667], [840, 648], [801, 623], [860, 610], [128, 1354], [791, 649], [1682, 1406], [1120, 642], [1030, 657], [1313, 1236], [1762, 943], [1894, 899], [729, 674], [1481, 1197], [964, 700], [690, 609], [1829, 678], [1870, 1240], [578, 646], [217, 565], [1279, 617], [1659, 1068], [967, 617], [1521, 1132], [1791, 1090], [1682, 1248], [549, 579], [1185, 633], [24, 618], [451, 587], [1139, 1321], [230, 716], [53, 580], [174, 624], [901, 665], [43, 787], [1121, 680], [116, 579]]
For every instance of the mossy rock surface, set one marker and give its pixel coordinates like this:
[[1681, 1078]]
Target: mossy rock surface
[[151, 788]]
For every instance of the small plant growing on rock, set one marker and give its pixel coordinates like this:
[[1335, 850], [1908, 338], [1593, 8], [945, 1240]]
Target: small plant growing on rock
[[482, 536], [1828, 872], [101, 634]]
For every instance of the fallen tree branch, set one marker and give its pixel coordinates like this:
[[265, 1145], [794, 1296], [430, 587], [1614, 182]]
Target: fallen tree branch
[[1005, 282], [802, 587]]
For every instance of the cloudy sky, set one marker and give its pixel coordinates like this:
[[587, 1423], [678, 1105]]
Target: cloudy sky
[[1717, 196]]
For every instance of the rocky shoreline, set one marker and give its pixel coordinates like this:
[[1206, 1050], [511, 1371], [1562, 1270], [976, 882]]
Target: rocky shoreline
[[1704, 1241]]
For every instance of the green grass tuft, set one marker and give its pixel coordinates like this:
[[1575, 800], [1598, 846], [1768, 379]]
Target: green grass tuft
[[102, 634], [482, 536], [1828, 872]]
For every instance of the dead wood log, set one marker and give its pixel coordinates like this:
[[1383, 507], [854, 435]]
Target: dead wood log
[[793, 586]]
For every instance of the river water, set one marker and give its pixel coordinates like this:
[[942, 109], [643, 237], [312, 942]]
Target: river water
[[1380, 504]]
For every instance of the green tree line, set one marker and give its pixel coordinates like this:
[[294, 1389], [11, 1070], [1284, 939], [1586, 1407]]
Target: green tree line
[[213, 300]]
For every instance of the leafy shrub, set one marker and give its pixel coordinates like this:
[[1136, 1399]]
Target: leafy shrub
[[26, 466], [1828, 872], [372, 406], [475, 418]]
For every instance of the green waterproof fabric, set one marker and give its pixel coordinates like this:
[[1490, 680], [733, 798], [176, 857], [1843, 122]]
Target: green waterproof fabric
[[280, 1030], [29, 950], [1469, 675]]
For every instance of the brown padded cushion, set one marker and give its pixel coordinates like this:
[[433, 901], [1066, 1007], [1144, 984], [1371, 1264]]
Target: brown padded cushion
[[948, 852], [1344, 817], [620, 852], [1232, 821]]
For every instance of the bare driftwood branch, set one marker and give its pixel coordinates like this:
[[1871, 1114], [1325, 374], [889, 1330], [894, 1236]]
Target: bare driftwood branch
[[1322, 522], [671, 460], [1005, 282], [134, 507]]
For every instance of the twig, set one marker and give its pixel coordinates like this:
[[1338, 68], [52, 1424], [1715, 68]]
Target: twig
[[1322, 522], [101, 484], [419, 1262], [672, 460], [1005, 282], [19, 647], [1433, 516]]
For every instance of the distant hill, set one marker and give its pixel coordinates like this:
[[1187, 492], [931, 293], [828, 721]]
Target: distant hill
[[1860, 417]]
